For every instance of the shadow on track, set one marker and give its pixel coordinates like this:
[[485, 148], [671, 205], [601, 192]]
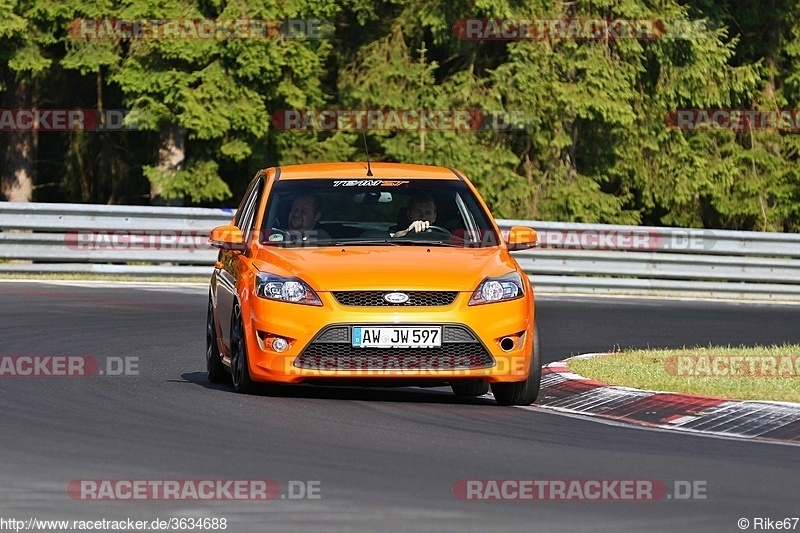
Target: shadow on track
[[438, 395]]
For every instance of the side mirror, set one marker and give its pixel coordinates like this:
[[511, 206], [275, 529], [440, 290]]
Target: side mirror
[[226, 238], [522, 238]]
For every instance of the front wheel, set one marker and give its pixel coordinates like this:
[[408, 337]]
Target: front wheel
[[522, 392], [240, 370]]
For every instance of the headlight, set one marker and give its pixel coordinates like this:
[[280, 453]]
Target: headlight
[[508, 287], [293, 290]]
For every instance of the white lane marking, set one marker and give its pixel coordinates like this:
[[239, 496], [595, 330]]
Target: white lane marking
[[557, 411], [654, 299], [165, 286]]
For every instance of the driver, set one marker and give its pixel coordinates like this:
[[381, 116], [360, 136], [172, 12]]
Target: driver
[[421, 213], [306, 212]]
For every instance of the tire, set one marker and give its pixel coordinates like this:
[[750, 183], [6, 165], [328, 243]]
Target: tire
[[240, 370], [216, 371], [470, 388], [522, 392]]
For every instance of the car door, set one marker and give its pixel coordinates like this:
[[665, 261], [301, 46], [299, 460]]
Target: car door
[[230, 260]]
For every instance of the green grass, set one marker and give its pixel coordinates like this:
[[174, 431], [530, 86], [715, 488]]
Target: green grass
[[763, 373]]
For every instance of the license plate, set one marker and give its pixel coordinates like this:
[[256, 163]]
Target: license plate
[[397, 337]]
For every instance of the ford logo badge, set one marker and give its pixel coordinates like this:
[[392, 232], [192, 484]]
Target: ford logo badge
[[396, 297]]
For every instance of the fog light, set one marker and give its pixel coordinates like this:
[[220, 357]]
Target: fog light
[[507, 344], [279, 344]]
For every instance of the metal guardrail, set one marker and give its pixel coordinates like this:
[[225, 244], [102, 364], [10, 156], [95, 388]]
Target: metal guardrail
[[66, 217], [573, 258], [82, 238]]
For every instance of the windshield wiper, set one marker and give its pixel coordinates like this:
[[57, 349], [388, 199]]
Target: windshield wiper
[[395, 242], [366, 242], [403, 240]]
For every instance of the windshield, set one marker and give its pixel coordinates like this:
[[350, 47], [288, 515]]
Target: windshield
[[375, 212]]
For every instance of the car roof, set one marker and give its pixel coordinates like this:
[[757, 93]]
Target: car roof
[[358, 170]]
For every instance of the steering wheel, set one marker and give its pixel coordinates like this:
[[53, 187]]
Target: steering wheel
[[440, 229]]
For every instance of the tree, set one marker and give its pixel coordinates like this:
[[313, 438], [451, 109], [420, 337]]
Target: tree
[[208, 98], [23, 35]]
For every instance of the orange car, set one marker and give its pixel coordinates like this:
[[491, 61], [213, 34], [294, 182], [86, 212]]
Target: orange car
[[386, 274]]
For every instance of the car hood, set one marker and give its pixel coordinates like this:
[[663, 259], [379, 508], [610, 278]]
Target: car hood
[[387, 267]]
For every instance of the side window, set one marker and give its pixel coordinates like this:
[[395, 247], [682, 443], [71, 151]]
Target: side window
[[246, 213], [237, 219]]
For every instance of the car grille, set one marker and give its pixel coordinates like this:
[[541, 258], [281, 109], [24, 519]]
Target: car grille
[[331, 350], [335, 334], [415, 298]]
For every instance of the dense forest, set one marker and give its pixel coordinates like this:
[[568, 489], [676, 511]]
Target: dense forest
[[586, 131]]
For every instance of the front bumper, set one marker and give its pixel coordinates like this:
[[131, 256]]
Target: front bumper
[[319, 343]]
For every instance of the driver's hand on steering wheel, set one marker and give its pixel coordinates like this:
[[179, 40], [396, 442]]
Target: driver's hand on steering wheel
[[418, 226]]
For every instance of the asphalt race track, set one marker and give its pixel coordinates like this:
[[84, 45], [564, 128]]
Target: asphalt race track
[[384, 459]]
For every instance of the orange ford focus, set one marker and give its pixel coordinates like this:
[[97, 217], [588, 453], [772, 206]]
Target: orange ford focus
[[385, 275]]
